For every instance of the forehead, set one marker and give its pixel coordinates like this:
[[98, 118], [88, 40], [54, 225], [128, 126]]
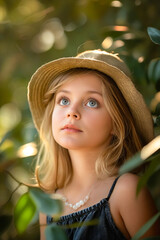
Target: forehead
[[82, 81]]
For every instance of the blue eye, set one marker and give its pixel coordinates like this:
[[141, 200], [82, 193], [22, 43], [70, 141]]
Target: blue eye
[[64, 102], [92, 103]]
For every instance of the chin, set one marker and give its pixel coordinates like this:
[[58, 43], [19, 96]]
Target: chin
[[71, 146]]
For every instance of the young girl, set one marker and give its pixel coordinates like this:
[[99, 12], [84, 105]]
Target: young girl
[[91, 119]]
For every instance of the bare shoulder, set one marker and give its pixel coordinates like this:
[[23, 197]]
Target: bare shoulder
[[126, 191], [126, 187], [128, 182], [133, 208]]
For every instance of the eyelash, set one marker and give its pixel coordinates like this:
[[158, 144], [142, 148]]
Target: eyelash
[[94, 100], [59, 99], [88, 100]]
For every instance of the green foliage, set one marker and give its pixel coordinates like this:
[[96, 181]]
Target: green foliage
[[45, 203], [24, 212], [149, 153], [154, 70], [152, 168], [154, 35], [134, 162], [53, 232], [33, 202]]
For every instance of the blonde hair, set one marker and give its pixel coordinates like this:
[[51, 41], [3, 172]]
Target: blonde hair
[[54, 169]]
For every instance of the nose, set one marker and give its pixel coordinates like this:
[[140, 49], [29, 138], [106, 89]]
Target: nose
[[73, 114]]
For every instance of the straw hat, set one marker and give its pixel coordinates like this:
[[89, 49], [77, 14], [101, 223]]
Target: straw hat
[[107, 63]]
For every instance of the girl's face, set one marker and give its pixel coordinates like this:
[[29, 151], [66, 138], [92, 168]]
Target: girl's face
[[80, 120]]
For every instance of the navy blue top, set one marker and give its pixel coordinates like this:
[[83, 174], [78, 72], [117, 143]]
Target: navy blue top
[[92, 223]]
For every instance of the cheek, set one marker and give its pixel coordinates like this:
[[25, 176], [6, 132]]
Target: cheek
[[104, 126], [57, 115], [102, 121]]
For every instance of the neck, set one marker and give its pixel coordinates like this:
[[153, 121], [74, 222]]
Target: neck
[[83, 164], [84, 180]]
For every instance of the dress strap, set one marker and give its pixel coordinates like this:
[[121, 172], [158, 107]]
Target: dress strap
[[112, 188]]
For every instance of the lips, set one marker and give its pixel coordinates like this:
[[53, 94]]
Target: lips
[[71, 128]]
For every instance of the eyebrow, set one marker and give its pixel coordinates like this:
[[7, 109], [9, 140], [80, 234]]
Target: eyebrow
[[90, 91]]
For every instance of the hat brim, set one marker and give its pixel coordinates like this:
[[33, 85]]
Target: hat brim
[[45, 75]]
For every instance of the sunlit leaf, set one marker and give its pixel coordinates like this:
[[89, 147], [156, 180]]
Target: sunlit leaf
[[53, 232], [45, 202], [24, 212], [154, 34], [5, 221], [146, 227]]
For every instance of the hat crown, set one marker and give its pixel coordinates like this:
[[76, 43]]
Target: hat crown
[[105, 57]]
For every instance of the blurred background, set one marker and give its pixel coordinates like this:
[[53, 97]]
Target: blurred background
[[37, 31]]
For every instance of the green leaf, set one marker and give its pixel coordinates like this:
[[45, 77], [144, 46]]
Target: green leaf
[[154, 70], [45, 203], [157, 71], [5, 221], [53, 232], [24, 212], [134, 162], [154, 166], [148, 153], [154, 34], [146, 227], [151, 68], [5, 137]]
